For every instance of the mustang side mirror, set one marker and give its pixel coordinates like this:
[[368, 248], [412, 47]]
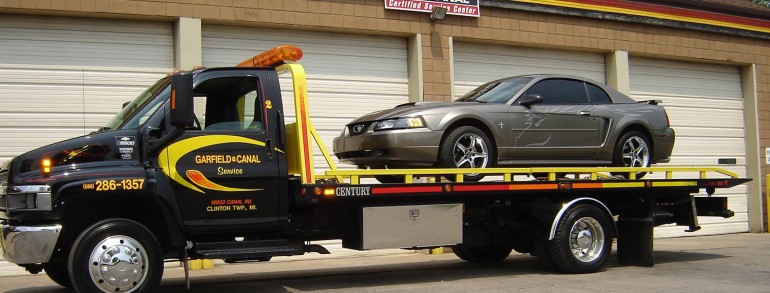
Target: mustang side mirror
[[530, 100], [182, 114], [125, 104]]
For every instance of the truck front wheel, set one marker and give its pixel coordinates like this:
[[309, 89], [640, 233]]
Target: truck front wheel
[[115, 255], [583, 240], [58, 274]]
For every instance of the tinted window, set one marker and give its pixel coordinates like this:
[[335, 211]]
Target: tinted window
[[560, 91], [597, 95], [499, 91]]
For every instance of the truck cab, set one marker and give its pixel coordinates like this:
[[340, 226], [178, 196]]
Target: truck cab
[[199, 155]]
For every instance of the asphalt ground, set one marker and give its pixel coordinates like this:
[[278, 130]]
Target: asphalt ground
[[723, 263]]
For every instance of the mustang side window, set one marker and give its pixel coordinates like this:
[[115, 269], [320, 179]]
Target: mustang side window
[[560, 92], [597, 95], [229, 103]]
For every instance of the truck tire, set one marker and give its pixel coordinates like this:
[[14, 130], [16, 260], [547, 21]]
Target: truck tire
[[583, 240], [58, 274], [466, 147], [540, 251], [115, 255], [482, 254]]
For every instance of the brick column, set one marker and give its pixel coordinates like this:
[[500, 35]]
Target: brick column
[[436, 64]]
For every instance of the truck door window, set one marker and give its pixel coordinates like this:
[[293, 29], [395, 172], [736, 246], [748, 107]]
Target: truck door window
[[229, 103]]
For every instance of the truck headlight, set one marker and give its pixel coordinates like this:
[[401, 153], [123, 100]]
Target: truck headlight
[[400, 123]]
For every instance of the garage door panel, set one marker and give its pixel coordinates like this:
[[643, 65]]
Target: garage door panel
[[476, 64], [64, 77], [348, 75], [358, 87], [703, 146], [705, 106], [710, 160], [677, 77], [691, 131], [18, 141], [671, 100], [84, 42], [704, 117]]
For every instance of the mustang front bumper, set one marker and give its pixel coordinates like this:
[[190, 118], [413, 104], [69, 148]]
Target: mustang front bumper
[[394, 149]]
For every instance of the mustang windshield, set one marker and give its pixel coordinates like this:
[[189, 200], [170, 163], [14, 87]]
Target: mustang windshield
[[498, 91], [138, 110]]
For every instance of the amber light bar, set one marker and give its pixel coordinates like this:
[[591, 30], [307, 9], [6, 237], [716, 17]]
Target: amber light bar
[[276, 56]]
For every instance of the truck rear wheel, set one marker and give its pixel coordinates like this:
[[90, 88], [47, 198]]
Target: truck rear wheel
[[115, 255], [583, 240], [485, 254]]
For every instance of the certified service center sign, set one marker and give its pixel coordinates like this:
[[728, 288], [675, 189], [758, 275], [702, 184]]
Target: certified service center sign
[[454, 7]]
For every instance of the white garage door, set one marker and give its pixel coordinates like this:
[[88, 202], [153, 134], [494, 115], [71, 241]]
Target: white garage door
[[705, 105], [476, 64], [348, 75], [63, 77]]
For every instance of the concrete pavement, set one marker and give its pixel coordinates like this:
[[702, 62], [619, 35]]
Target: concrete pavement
[[735, 262]]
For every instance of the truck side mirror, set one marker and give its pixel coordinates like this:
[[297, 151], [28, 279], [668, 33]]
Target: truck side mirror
[[182, 114]]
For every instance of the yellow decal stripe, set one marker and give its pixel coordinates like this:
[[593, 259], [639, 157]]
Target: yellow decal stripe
[[675, 184], [179, 149]]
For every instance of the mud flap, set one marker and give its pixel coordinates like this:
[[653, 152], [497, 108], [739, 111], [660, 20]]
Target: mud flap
[[635, 241]]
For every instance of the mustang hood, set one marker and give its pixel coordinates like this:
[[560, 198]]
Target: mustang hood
[[406, 110]]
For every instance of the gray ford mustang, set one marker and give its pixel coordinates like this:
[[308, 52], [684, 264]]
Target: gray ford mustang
[[523, 121]]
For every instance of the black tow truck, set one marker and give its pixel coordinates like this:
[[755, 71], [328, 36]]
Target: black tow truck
[[202, 166]]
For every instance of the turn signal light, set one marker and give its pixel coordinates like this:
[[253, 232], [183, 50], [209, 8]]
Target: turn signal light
[[45, 167], [273, 57]]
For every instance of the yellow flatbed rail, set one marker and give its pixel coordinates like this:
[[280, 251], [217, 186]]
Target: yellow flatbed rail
[[583, 173]]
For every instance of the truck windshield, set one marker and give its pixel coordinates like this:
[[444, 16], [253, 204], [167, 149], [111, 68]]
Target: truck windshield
[[139, 110]]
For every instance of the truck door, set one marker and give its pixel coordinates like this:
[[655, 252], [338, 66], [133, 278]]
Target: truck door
[[226, 171]]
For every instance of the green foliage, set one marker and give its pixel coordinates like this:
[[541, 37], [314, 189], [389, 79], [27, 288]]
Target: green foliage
[[762, 2]]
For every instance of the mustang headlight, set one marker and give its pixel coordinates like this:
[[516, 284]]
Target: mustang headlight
[[400, 123]]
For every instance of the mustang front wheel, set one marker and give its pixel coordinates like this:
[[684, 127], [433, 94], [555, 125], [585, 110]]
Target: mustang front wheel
[[466, 147]]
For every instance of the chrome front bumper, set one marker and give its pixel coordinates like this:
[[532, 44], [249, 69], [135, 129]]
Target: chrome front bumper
[[29, 244]]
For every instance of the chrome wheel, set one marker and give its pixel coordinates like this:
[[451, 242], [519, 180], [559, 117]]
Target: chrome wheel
[[582, 242], [470, 151], [635, 152], [586, 239], [466, 147], [118, 264]]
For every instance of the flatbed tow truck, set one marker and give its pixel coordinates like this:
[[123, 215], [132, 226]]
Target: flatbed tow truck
[[203, 166]]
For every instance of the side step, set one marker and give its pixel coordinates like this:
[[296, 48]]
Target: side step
[[253, 249]]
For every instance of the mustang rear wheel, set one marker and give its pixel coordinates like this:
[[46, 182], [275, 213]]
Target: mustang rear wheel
[[466, 147], [632, 150]]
